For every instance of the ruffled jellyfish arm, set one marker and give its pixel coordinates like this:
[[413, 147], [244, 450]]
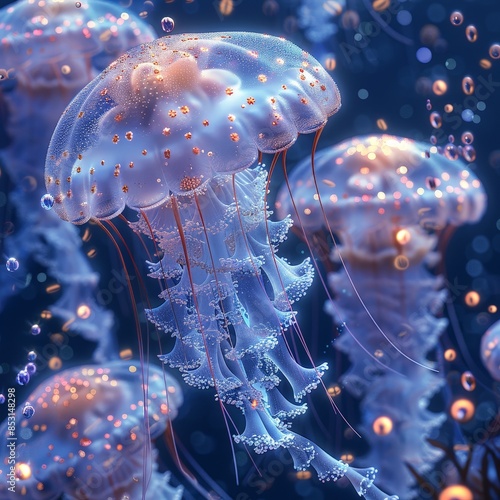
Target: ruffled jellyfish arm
[[48, 52], [381, 195], [88, 437], [172, 129]]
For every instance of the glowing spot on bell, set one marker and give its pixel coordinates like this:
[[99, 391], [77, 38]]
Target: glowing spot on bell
[[403, 236], [23, 471]]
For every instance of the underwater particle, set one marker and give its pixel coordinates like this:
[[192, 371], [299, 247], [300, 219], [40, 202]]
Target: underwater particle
[[330, 63], [28, 411], [467, 115], [55, 363], [35, 330], [450, 355], [12, 264], [439, 87], [468, 381], [382, 426], [456, 492], [23, 471], [31, 356], [469, 153], [47, 201], [451, 152], [334, 390], [23, 377], [167, 24], [495, 51], [226, 7], [456, 18], [424, 55], [78, 4], [462, 410], [380, 5], [485, 63], [83, 311], [2, 399], [468, 86], [467, 138], [471, 33], [472, 298], [30, 368], [435, 119], [381, 124]]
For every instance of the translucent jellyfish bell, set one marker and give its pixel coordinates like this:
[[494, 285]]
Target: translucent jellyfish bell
[[39, 40], [170, 115], [88, 437], [379, 183]]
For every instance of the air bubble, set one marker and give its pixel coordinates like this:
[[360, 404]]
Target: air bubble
[[456, 18], [167, 24]]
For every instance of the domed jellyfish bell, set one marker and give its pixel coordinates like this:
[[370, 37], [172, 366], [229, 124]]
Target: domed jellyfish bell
[[88, 437], [172, 130], [386, 199], [49, 50], [490, 350]]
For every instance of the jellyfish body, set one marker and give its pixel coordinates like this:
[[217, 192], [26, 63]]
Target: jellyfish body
[[380, 195], [88, 436], [490, 350], [48, 52], [172, 129]]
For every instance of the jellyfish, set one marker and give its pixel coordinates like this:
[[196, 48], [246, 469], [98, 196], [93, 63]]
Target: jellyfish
[[490, 350], [48, 52], [173, 130], [90, 435], [386, 198]]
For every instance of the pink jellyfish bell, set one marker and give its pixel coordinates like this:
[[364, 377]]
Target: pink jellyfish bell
[[172, 129], [88, 436]]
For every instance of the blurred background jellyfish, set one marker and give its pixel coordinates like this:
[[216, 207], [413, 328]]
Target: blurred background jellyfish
[[387, 199], [172, 130], [89, 436], [49, 50], [490, 350]]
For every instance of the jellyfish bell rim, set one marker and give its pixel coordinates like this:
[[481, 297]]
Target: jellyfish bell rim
[[324, 103], [473, 207]]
